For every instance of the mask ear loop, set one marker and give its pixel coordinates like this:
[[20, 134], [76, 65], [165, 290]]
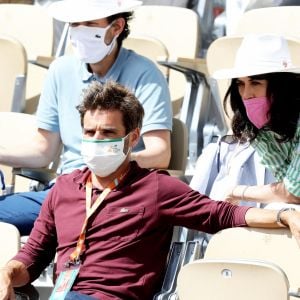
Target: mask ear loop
[[113, 42], [126, 144]]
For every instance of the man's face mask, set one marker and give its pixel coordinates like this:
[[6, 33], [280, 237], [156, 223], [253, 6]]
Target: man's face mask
[[89, 43], [257, 110], [104, 157]]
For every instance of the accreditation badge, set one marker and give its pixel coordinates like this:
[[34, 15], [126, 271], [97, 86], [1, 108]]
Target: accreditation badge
[[64, 283]]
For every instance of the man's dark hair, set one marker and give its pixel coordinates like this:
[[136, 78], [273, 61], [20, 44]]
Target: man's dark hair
[[127, 16], [284, 92], [113, 96]]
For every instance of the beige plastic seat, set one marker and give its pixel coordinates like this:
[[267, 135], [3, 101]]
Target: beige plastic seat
[[227, 47], [179, 146], [283, 20], [10, 238], [33, 27], [232, 280], [13, 62], [178, 29], [150, 47], [277, 246], [17, 129]]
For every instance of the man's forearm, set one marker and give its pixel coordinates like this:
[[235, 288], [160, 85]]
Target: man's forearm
[[36, 152], [266, 218], [20, 159], [263, 218], [147, 159], [157, 151]]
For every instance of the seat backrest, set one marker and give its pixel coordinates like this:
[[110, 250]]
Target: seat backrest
[[10, 238], [177, 28], [227, 47], [13, 62], [232, 280], [179, 146], [277, 246], [150, 47], [218, 49], [33, 27], [283, 20]]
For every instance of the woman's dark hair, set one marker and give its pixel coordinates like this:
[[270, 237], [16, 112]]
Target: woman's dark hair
[[127, 16], [284, 91]]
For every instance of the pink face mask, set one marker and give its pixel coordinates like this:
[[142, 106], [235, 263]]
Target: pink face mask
[[258, 110]]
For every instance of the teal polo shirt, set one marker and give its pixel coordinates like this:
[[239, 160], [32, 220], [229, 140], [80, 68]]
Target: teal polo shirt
[[63, 90]]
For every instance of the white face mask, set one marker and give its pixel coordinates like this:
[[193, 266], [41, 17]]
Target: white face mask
[[103, 157], [89, 43]]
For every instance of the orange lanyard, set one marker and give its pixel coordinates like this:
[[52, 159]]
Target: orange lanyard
[[90, 209]]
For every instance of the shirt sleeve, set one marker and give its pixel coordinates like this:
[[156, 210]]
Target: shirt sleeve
[[43, 236], [153, 93], [282, 159], [47, 114], [180, 205], [292, 178]]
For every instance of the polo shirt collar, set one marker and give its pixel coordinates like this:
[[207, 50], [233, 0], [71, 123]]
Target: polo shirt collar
[[81, 177], [112, 74]]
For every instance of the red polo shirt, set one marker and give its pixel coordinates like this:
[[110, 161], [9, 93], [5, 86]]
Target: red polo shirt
[[128, 238]]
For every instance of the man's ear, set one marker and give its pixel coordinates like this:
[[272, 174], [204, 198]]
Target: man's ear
[[118, 26], [134, 137]]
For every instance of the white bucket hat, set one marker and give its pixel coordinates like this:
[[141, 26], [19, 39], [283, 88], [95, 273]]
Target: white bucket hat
[[86, 10], [260, 54]]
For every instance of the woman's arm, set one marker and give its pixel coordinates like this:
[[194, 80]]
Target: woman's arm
[[274, 192]]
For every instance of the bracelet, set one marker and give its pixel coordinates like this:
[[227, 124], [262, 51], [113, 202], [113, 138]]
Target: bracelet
[[231, 194], [278, 217], [243, 192]]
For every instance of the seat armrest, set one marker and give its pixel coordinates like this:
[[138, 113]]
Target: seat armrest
[[43, 61], [185, 64], [42, 175]]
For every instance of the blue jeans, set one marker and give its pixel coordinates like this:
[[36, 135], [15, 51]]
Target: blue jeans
[[77, 296], [21, 209]]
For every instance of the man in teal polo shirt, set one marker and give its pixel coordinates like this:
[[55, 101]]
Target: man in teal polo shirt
[[97, 29]]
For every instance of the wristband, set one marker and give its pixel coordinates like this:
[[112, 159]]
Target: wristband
[[278, 217]]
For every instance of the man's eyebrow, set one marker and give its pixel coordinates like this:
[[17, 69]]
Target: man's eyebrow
[[109, 128]]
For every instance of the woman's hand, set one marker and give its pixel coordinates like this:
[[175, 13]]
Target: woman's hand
[[231, 199], [235, 194]]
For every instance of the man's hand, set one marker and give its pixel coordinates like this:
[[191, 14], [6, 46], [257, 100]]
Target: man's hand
[[14, 274], [6, 289], [292, 219]]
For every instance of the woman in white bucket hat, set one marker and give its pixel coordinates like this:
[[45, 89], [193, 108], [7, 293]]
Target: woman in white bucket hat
[[264, 96]]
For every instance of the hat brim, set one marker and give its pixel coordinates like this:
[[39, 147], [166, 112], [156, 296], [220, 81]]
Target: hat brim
[[234, 73], [70, 11]]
